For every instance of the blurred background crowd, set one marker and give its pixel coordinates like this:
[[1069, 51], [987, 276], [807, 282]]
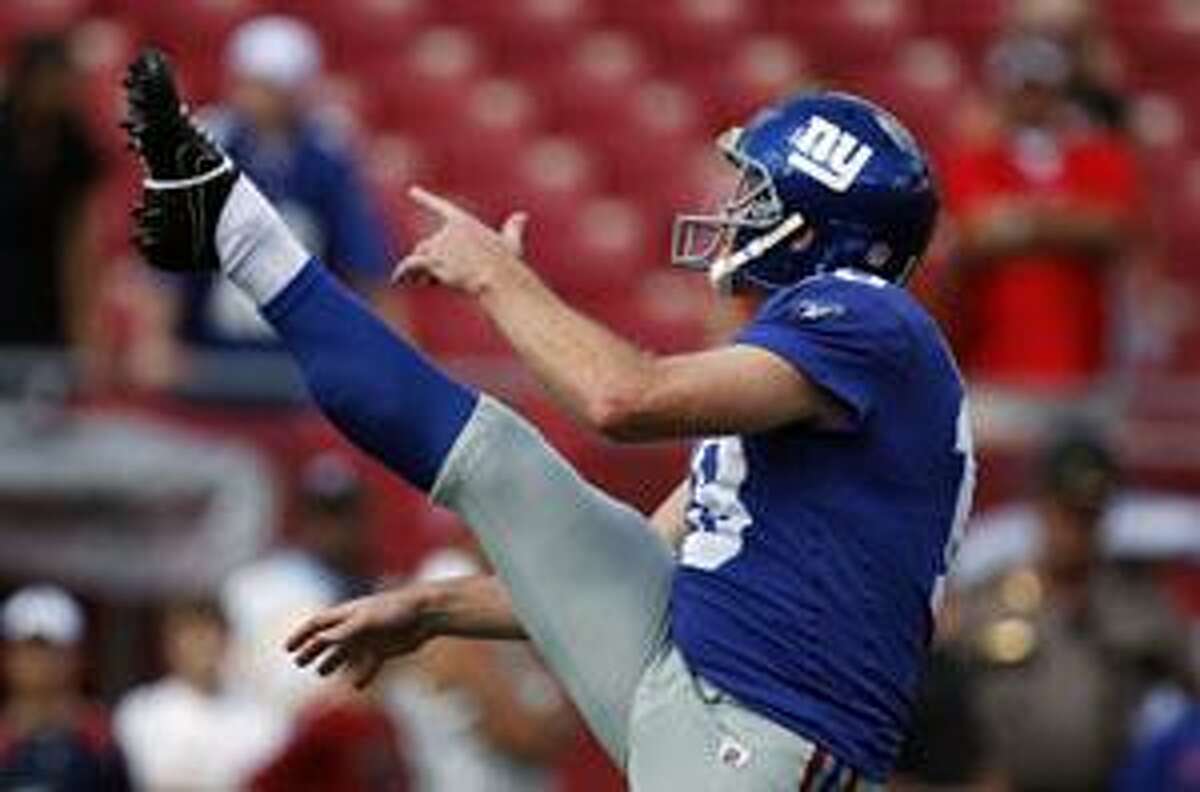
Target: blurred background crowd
[[170, 505]]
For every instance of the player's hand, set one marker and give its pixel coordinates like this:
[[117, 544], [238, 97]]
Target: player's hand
[[362, 634], [464, 253]]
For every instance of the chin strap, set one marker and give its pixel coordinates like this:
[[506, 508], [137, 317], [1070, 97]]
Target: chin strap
[[721, 271]]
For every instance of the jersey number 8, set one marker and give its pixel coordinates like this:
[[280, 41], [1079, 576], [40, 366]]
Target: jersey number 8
[[716, 516]]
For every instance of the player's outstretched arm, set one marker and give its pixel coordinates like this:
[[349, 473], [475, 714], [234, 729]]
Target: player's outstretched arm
[[609, 383], [362, 634]]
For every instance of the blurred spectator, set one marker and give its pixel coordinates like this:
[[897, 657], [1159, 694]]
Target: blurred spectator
[[1093, 66], [1068, 646], [1043, 209], [308, 169], [302, 165], [48, 173], [323, 563], [944, 746], [343, 741], [186, 731], [51, 737], [484, 716]]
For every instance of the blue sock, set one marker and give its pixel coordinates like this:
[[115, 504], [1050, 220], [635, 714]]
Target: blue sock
[[379, 391]]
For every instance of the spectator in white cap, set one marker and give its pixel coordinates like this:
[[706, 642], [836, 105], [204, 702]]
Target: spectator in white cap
[[51, 737], [299, 161], [272, 60]]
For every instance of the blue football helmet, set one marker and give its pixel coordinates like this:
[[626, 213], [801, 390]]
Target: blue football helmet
[[828, 180]]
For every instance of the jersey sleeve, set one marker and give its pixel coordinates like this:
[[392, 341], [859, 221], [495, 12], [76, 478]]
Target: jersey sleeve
[[840, 335]]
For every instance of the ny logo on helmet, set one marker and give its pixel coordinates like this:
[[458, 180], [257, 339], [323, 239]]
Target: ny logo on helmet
[[822, 150]]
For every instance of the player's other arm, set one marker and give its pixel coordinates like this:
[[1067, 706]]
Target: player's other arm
[[364, 633], [622, 391]]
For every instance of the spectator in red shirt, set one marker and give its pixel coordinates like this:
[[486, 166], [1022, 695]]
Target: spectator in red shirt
[[1042, 208]]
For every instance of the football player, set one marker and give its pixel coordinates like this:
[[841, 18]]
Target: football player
[[775, 640]]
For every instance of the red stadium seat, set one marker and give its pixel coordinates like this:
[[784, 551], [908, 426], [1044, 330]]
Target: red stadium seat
[[708, 178], [554, 175], [971, 26], [1181, 211], [23, 17], [1142, 15], [604, 68], [449, 325], [528, 34], [665, 311], [761, 70], [360, 34], [1160, 126], [404, 527], [479, 150], [1169, 50], [846, 35], [393, 163], [699, 179], [605, 246], [640, 475], [427, 85], [559, 427], [691, 31], [102, 48], [644, 141], [1188, 96], [195, 32], [924, 88]]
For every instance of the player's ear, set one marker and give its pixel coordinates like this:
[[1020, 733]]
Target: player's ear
[[513, 231]]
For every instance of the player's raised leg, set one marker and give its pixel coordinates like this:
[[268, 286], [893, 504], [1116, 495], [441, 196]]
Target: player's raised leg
[[588, 578]]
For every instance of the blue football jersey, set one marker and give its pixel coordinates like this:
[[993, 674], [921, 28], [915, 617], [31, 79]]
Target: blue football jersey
[[806, 584]]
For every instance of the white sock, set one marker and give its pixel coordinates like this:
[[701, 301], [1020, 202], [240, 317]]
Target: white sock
[[257, 250]]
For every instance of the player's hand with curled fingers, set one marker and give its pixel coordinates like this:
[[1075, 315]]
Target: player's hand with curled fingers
[[360, 635], [464, 253]]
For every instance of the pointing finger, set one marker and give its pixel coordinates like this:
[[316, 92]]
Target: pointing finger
[[437, 204]]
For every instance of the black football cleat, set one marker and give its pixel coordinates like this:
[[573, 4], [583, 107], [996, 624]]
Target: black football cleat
[[189, 177]]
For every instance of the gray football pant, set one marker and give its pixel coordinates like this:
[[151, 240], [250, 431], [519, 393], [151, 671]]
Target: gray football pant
[[590, 581]]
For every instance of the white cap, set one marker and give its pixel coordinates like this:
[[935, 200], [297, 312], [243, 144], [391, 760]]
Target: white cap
[[45, 612], [276, 49]]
